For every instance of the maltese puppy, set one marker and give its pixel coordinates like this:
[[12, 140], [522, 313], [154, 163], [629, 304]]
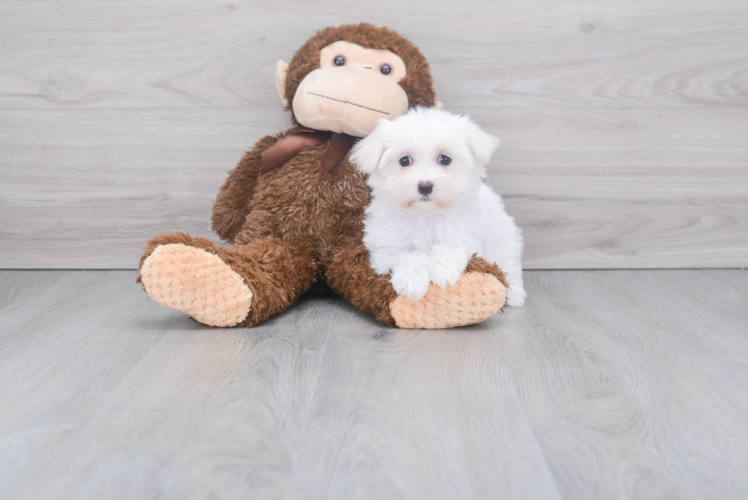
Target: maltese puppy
[[431, 209]]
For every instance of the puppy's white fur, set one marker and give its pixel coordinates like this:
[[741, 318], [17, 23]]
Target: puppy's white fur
[[423, 239]]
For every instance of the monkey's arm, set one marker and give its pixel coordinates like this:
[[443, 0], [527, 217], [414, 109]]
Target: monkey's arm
[[231, 206]]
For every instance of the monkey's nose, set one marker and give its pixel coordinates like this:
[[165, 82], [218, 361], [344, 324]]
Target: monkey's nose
[[425, 188]]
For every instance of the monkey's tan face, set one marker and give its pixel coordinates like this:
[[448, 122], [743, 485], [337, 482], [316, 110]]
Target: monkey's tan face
[[352, 89]]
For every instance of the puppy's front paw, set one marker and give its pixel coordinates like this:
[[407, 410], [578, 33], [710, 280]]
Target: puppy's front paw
[[445, 273], [411, 281], [447, 265], [515, 297]]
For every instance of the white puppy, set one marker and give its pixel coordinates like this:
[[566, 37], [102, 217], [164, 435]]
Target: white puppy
[[431, 209]]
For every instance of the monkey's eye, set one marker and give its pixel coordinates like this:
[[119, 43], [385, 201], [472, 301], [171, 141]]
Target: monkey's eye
[[385, 69], [339, 61], [406, 161], [445, 160]]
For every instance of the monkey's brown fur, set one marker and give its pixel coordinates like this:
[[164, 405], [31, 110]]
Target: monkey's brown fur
[[299, 223]]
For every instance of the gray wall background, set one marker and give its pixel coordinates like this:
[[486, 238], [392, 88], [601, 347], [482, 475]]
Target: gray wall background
[[624, 124]]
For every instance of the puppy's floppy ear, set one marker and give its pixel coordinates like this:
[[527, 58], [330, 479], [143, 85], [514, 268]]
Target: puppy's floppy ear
[[367, 153], [482, 144]]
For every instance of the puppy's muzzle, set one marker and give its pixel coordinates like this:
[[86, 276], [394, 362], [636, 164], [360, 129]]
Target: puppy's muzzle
[[425, 188]]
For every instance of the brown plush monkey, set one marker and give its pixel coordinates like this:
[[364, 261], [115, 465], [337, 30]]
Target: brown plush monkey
[[293, 207]]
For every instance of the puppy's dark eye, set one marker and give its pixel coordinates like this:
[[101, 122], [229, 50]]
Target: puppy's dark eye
[[406, 161], [339, 61], [385, 69], [445, 160]]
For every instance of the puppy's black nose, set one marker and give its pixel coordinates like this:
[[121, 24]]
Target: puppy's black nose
[[425, 188]]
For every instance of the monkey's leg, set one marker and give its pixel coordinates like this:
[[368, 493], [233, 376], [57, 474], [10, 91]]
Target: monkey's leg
[[217, 286], [349, 274], [478, 294]]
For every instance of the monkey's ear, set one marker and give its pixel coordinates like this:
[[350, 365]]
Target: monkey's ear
[[439, 105], [367, 153], [482, 144], [281, 70]]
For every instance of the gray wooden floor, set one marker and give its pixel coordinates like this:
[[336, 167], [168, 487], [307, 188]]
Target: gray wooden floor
[[608, 384]]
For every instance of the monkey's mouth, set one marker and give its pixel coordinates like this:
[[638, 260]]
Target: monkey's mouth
[[348, 102]]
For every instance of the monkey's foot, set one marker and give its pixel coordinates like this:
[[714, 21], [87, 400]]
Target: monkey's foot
[[196, 282], [474, 298]]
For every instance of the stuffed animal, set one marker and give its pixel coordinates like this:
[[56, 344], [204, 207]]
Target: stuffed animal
[[293, 208]]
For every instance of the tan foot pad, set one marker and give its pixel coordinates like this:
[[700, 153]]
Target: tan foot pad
[[196, 282], [474, 298]]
